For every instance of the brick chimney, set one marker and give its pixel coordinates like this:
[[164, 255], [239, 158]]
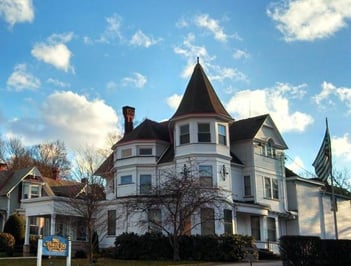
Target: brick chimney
[[3, 165], [128, 113], [56, 173]]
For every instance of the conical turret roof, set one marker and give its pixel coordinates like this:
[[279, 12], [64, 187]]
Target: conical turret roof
[[200, 98]]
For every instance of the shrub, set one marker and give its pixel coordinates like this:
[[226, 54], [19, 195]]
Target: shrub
[[80, 254], [15, 225], [154, 246], [299, 250], [7, 243], [33, 244]]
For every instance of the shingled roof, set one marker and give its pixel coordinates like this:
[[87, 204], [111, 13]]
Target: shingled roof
[[200, 98], [148, 130], [246, 128]]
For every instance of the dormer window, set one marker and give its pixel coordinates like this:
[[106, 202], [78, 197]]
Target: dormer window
[[31, 191], [184, 136], [203, 132], [270, 149]]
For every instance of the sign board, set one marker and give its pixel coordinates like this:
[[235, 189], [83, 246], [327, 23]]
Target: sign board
[[55, 246]]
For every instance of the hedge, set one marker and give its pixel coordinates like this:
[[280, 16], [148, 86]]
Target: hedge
[[7, 243], [311, 250], [157, 246]]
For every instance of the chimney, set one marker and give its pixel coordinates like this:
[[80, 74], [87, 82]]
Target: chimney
[[128, 113], [56, 173], [3, 165]]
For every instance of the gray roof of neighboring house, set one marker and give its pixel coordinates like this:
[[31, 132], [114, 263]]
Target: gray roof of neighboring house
[[10, 179], [246, 128]]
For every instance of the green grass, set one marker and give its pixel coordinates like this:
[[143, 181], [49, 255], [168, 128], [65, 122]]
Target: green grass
[[100, 262]]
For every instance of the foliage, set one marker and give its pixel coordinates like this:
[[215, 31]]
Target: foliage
[[81, 254], [7, 243], [202, 248], [33, 244], [15, 225], [310, 250]]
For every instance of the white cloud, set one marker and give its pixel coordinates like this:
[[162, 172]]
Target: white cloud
[[71, 118], [275, 101], [112, 32], [212, 25], [174, 101], [222, 73], [297, 166], [240, 54], [16, 11], [141, 39], [329, 90], [111, 85], [58, 83], [21, 79], [137, 80], [341, 147], [182, 23], [55, 52], [307, 20]]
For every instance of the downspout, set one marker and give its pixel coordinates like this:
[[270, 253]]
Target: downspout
[[8, 196]]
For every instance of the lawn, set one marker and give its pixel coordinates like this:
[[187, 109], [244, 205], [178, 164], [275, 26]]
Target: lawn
[[100, 262]]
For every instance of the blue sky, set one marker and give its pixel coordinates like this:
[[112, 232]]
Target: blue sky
[[68, 67]]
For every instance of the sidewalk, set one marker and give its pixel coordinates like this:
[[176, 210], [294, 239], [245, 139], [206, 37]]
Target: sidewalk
[[258, 263]]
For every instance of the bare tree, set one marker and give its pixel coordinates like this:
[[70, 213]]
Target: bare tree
[[180, 196], [85, 202]]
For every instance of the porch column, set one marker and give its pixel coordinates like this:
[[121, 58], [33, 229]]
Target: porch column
[[26, 247], [53, 224]]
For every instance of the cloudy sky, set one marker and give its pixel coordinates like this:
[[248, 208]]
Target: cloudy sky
[[68, 67]]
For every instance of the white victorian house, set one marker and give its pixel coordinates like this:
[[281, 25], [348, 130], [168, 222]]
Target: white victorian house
[[244, 157]]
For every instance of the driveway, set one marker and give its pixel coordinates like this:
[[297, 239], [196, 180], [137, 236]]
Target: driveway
[[258, 263]]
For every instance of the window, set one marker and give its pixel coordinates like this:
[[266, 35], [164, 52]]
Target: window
[[207, 221], [203, 132], [184, 136], [247, 186], [255, 227], [126, 153], [80, 230], [145, 151], [271, 188], [271, 229], [155, 220], [126, 179], [31, 191], [267, 188], [145, 184], [111, 222], [222, 135], [228, 222], [205, 173], [270, 149]]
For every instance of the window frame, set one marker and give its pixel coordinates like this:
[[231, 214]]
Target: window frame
[[228, 221], [207, 221], [271, 229], [271, 188], [184, 135], [255, 224], [111, 222], [247, 186], [124, 182], [145, 188], [222, 136], [206, 180], [204, 135], [145, 151]]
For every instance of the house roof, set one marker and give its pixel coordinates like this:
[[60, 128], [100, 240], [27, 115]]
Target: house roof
[[200, 98], [63, 187], [106, 166], [147, 130], [10, 179], [246, 128]]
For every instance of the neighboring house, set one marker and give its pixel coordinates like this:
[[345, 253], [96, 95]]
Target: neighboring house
[[311, 200], [44, 202], [244, 157]]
